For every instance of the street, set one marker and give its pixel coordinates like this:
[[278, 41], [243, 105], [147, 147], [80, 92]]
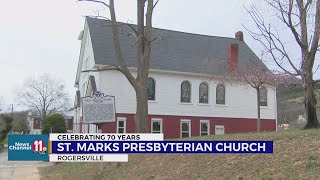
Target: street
[[19, 170]]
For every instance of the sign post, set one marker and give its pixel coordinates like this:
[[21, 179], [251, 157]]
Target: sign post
[[99, 109]]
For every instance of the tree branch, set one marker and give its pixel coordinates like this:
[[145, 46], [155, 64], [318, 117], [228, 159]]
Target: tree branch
[[316, 81], [100, 2], [123, 66]]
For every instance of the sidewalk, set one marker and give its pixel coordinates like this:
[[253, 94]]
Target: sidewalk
[[28, 170], [19, 170]]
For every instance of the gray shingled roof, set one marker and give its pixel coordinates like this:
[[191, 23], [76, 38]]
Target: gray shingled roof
[[172, 51]]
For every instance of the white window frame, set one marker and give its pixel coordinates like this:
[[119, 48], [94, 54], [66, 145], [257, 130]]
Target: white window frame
[[207, 122], [185, 121], [124, 124], [219, 126], [157, 120]]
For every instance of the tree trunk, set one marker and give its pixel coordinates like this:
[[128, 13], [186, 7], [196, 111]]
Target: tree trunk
[[258, 110], [310, 103], [143, 43], [143, 58], [141, 118]]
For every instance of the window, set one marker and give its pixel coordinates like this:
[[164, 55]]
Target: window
[[151, 89], [156, 126], [203, 93], [263, 96], [121, 125], [204, 128], [219, 130], [220, 94], [185, 127], [186, 92]]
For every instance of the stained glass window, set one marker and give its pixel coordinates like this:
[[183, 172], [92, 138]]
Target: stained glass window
[[185, 92], [203, 93], [263, 96], [220, 94], [151, 89]]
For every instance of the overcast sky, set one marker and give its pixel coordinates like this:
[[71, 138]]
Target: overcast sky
[[38, 36]]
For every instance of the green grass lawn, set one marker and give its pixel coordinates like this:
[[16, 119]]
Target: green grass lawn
[[296, 156]]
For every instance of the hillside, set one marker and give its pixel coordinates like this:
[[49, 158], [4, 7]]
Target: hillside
[[296, 156], [290, 103]]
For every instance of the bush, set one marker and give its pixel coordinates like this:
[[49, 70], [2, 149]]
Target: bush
[[6, 126], [20, 125], [1, 146], [54, 123]]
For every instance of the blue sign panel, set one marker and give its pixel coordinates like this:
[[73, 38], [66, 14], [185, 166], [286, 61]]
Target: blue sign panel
[[28, 147], [127, 147]]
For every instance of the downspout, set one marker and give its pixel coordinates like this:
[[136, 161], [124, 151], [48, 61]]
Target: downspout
[[276, 107]]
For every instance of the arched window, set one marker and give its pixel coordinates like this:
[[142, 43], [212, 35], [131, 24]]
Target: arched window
[[263, 96], [203, 93], [151, 89], [185, 92], [220, 94]]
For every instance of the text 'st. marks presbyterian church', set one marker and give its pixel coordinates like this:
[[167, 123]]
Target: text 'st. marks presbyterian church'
[[184, 99]]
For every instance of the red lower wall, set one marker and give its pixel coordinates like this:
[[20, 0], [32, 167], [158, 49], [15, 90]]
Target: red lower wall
[[171, 125]]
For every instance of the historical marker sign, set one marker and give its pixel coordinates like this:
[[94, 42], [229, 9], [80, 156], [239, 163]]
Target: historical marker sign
[[98, 108]]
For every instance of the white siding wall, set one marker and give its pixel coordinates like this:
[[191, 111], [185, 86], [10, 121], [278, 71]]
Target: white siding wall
[[240, 100], [87, 63]]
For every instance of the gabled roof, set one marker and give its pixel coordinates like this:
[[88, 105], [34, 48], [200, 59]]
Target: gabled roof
[[171, 51]]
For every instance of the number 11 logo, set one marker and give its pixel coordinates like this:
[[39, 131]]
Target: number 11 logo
[[38, 146]]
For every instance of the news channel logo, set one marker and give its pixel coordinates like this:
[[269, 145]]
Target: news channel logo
[[28, 147]]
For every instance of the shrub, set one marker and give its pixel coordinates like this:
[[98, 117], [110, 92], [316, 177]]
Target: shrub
[[6, 126], [54, 123], [20, 125]]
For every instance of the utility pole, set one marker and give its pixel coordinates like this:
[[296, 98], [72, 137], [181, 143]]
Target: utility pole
[[12, 110]]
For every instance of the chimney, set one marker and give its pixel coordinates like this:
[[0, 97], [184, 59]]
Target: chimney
[[239, 35], [232, 57]]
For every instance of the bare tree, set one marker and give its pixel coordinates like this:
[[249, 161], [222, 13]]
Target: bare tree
[[44, 93], [143, 39], [302, 20], [1, 101], [253, 74], [260, 79]]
